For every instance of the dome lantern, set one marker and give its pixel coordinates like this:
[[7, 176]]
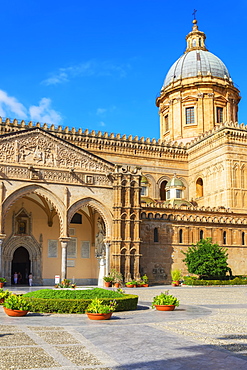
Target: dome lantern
[[195, 39]]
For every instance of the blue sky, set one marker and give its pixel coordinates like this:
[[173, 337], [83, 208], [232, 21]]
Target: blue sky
[[100, 65]]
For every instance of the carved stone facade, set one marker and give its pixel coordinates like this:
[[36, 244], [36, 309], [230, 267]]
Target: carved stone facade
[[154, 197]]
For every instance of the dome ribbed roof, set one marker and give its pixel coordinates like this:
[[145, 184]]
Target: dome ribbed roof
[[194, 63], [174, 182]]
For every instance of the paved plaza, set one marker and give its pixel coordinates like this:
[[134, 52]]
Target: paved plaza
[[207, 331]]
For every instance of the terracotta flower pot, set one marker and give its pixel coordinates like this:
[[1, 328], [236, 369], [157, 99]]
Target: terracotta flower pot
[[15, 313], [1, 285], [165, 307], [117, 285], [145, 285], [175, 283], [99, 316], [129, 286], [107, 284]]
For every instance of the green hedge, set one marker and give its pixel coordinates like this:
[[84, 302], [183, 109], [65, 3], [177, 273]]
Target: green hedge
[[125, 303], [74, 294], [190, 280]]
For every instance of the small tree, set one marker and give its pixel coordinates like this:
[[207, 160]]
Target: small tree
[[206, 259]]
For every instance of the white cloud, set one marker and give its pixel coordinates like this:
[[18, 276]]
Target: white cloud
[[102, 124], [56, 79], [10, 106], [89, 68], [100, 111], [44, 113]]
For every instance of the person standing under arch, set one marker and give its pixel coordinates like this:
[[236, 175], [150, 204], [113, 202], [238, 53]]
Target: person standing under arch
[[30, 279]]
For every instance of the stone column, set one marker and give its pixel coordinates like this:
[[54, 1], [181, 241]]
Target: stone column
[[1, 269], [64, 244], [107, 257], [2, 272]]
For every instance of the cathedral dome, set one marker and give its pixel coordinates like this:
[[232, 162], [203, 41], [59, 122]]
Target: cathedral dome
[[195, 63], [198, 92]]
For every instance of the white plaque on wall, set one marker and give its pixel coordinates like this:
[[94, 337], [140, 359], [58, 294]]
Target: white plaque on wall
[[85, 249], [52, 248], [70, 263], [71, 248]]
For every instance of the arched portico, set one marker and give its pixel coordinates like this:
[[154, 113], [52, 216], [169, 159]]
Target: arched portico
[[99, 207], [106, 216], [41, 191], [26, 227]]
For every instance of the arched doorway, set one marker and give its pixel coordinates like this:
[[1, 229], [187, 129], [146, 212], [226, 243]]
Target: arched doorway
[[21, 265]]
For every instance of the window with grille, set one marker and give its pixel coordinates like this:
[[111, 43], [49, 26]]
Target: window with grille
[[224, 237], [180, 236], [219, 114], [144, 191], [156, 235], [166, 123], [190, 115]]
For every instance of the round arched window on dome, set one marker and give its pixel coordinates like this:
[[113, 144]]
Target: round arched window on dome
[[199, 187], [194, 42]]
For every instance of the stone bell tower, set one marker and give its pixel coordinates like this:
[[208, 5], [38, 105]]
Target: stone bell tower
[[198, 92]]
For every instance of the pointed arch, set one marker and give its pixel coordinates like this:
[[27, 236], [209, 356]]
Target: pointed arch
[[99, 207], [44, 193]]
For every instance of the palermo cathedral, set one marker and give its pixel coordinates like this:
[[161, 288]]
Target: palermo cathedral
[[78, 203]]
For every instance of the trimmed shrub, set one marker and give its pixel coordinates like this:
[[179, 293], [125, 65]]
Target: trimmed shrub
[[191, 280], [47, 300], [74, 294]]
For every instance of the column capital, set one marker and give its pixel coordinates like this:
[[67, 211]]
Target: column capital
[[64, 239]]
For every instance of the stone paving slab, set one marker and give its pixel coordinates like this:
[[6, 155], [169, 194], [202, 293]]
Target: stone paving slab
[[143, 339]]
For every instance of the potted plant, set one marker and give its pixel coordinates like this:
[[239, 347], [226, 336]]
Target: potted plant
[[3, 295], [131, 284], [140, 283], [2, 281], [15, 305], [145, 280], [165, 302], [96, 310], [117, 278], [108, 281], [176, 277]]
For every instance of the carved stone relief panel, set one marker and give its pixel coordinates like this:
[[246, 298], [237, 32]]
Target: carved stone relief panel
[[40, 149]]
